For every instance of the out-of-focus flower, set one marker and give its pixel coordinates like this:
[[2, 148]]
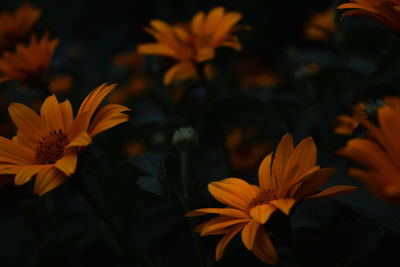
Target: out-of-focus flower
[[131, 60], [138, 84], [28, 62], [193, 43], [345, 124], [251, 73], [320, 26], [383, 11], [61, 84], [48, 145], [290, 178], [135, 147], [16, 25], [379, 152]]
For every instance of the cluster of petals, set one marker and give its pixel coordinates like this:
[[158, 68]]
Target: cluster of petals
[[292, 176], [14, 26], [27, 62], [47, 145], [379, 152], [192, 43], [386, 12]]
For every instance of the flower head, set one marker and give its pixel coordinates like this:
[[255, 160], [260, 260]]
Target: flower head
[[347, 124], [383, 11], [15, 26], [379, 152], [27, 62], [192, 43], [320, 25], [288, 179], [47, 145]]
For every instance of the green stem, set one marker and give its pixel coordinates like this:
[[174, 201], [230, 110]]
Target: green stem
[[105, 216], [186, 203]]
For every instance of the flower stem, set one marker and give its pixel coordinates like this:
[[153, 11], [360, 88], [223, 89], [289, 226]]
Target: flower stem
[[105, 216]]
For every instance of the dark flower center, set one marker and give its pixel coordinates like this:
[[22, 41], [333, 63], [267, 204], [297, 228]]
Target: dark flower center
[[263, 197], [51, 147]]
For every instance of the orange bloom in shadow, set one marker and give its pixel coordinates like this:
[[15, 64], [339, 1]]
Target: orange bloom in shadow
[[379, 153], [383, 11], [288, 179], [345, 124], [27, 62], [16, 25], [192, 43], [130, 60], [320, 26], [48, 145]]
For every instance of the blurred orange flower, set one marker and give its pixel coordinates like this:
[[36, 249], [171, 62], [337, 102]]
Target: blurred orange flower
[[320, 26], [345, 124], [27, 62], [16, 25], [134, 147], [290, 178], [48, 145], [130, 60], [379, 152], [60, 84], [383, 11], [194, 43]]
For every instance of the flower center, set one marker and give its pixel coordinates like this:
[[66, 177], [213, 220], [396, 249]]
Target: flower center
[[51, 147], [264, 197]]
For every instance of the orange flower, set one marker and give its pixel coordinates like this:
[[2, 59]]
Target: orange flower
[[129, 60], [379, 152], [60, 84], [194, 43], [320, 26], [27, 62], [347, 124], [16, 25], [48, 145], [291, 178], [383, 11], [134, 148]]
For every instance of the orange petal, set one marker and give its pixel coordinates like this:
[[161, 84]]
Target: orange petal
[[108, 117], [81, 140], [233, 192], [79, 125], [197, 23], [51, 113], [25, 174], [283, 151], [284, 204], [47, 180], [264, 173], [27, 121], [180, 71], [221, 247], [222, 211], [225, 27], [204, 53], [212, 19], [249, 234], [389, 122], [156, 49], [261, 213], [209, 229], [67, 164], [263, 248], [313, 183], [303, 158], [334, 191], [11, 152]]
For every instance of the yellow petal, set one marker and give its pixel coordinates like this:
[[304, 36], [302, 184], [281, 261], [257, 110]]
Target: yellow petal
[[205, 53], [180, 71], [303, 158], [263, 248], [233, 192], [249, 234], [166, 31], [93, 100], [221, 247], [197, 23], [156, 49], [284, 204], [79, 125], [222, 211], [48, 179], [27, 121], [389, 122], [264, 173], [25, 174], [209, 229], [81, 140], [230, 19], [108, 117], [67, 164], [213, 18], [261, 213], [334, 191]]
